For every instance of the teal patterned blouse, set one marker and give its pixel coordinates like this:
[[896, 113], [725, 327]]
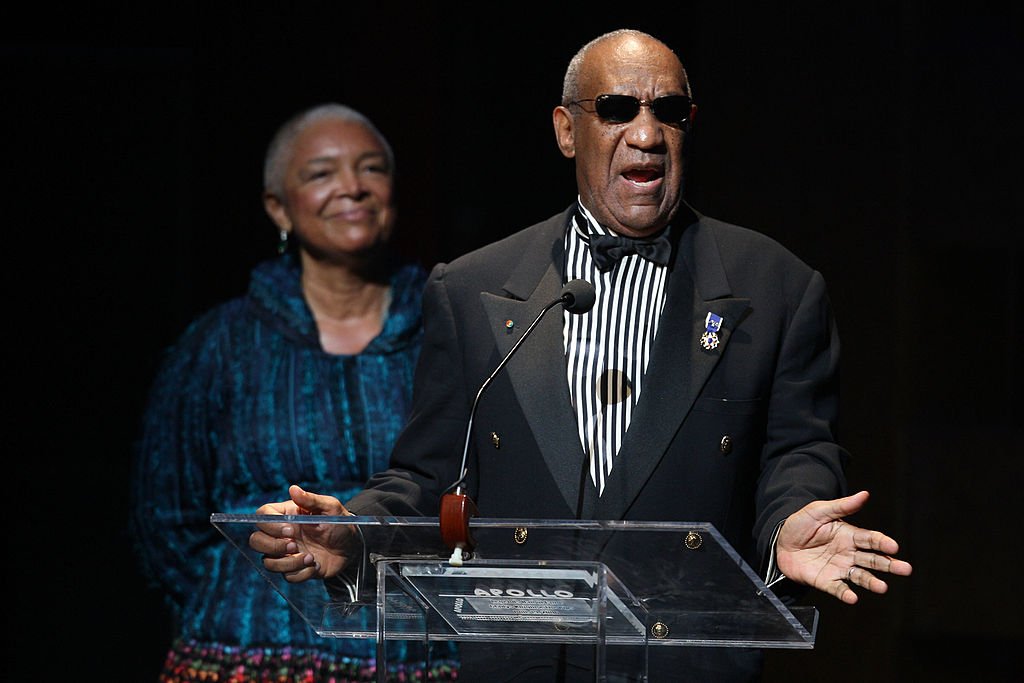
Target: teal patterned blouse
[[245, 403]]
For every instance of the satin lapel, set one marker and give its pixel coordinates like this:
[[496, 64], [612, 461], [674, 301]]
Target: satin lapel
[[678, 369], [537, 371]]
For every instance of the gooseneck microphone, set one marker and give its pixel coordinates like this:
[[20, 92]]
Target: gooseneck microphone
[[577, 296]]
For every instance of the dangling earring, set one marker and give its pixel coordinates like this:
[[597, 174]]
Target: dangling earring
[[282, 241]]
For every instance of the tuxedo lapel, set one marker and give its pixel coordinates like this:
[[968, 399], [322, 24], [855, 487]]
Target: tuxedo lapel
[[678, 369], [537, 371]]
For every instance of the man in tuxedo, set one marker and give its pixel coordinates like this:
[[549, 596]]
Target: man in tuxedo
[[702, 385]]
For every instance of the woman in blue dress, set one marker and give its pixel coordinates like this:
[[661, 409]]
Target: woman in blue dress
[[306, 378]]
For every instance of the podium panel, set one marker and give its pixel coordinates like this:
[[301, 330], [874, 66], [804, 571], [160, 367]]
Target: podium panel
[[605, 583]]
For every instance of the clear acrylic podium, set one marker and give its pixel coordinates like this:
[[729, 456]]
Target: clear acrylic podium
[[618, 586]]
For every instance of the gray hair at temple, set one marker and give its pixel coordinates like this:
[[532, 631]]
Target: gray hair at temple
[[280, 146], [571, 83]]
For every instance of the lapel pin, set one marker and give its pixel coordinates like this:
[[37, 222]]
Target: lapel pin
[[712, 324]]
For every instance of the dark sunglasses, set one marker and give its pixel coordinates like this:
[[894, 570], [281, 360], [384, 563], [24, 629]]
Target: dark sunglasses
[[673, 109]]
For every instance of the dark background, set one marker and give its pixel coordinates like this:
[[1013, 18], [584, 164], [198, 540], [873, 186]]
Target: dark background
[[879, 141]]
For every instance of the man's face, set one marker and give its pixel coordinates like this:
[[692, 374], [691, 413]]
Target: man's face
[[629, 174]]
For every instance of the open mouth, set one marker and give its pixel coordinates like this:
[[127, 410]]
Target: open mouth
[[642, 175]]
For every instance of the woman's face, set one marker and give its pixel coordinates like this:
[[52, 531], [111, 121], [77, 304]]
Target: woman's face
[[337, 191]]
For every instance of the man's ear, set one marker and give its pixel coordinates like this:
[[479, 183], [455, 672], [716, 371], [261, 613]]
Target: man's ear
[[688, 130], [565, 133], [275, 209]]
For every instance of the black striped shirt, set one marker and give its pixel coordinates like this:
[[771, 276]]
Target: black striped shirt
[[607, 349]]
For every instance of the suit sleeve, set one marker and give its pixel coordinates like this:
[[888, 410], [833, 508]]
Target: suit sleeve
[[427, 455], [802, 460]]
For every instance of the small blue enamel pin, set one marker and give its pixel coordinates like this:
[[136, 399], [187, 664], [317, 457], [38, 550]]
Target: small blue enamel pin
[[712, 324]]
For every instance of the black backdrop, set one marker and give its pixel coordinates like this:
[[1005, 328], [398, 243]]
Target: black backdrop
[[880, 141]]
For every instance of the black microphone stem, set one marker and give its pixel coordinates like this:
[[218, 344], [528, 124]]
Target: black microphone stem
[[472, 411], [457, 508]]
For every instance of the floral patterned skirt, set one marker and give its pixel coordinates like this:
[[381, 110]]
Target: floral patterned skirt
[[188, 660]]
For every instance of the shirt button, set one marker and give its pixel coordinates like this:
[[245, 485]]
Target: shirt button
[[725, 445]]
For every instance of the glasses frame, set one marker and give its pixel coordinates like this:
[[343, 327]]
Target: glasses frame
[[638, 104]]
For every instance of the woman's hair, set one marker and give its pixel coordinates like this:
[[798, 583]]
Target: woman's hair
[[279, 150]]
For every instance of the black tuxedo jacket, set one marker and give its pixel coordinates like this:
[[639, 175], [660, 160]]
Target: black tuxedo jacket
[[740, 436]]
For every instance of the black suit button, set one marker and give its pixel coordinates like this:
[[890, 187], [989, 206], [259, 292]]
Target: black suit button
[[725, 445]]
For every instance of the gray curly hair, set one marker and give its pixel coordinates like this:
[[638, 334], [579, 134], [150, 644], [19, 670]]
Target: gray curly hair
[[280, 147]]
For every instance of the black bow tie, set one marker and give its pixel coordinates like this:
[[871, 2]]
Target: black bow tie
[[607, 250]]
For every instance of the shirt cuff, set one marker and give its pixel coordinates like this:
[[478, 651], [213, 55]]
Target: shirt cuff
[[773, 575]]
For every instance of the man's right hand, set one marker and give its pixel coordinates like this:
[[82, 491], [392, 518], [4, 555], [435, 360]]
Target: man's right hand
[[303, 551]]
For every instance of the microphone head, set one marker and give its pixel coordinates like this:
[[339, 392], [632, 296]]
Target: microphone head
[[578, 296]]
